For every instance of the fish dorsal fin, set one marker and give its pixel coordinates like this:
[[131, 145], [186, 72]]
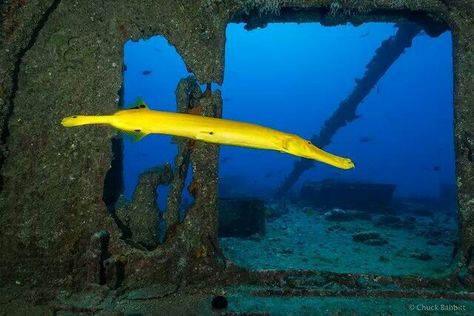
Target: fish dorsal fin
[[135, 135], [139, 104]]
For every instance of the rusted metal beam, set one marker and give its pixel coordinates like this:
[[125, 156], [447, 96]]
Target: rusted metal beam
[[388, 52]]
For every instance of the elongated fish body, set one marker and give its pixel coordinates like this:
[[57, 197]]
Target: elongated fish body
[[141, 121]]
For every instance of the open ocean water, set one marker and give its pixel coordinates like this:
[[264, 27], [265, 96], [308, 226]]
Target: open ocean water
[[293, 77]]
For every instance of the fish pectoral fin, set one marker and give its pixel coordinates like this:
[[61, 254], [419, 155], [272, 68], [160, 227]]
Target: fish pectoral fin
[[135, 136], [285, 144]]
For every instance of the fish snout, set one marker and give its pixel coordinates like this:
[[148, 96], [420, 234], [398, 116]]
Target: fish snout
[[347, 164]]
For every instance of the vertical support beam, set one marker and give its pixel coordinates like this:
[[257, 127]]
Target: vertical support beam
[[464, 133]]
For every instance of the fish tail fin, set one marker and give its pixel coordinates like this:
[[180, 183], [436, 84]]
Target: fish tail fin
[[77, 120]]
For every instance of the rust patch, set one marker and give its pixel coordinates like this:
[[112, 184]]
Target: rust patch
[[193, 188]]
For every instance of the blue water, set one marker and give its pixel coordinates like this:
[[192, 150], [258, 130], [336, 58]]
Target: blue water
[[292, 77]]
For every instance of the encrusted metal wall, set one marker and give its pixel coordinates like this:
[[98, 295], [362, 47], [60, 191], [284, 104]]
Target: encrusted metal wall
[[61, 57]]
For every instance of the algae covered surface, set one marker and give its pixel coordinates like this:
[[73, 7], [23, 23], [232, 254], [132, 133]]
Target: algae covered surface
[[305, 239], [72, 64]]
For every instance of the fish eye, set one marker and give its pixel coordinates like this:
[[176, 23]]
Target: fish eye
[[74, 116]]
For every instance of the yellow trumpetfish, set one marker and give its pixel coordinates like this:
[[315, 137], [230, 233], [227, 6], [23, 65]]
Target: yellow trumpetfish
[[141, 121]]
